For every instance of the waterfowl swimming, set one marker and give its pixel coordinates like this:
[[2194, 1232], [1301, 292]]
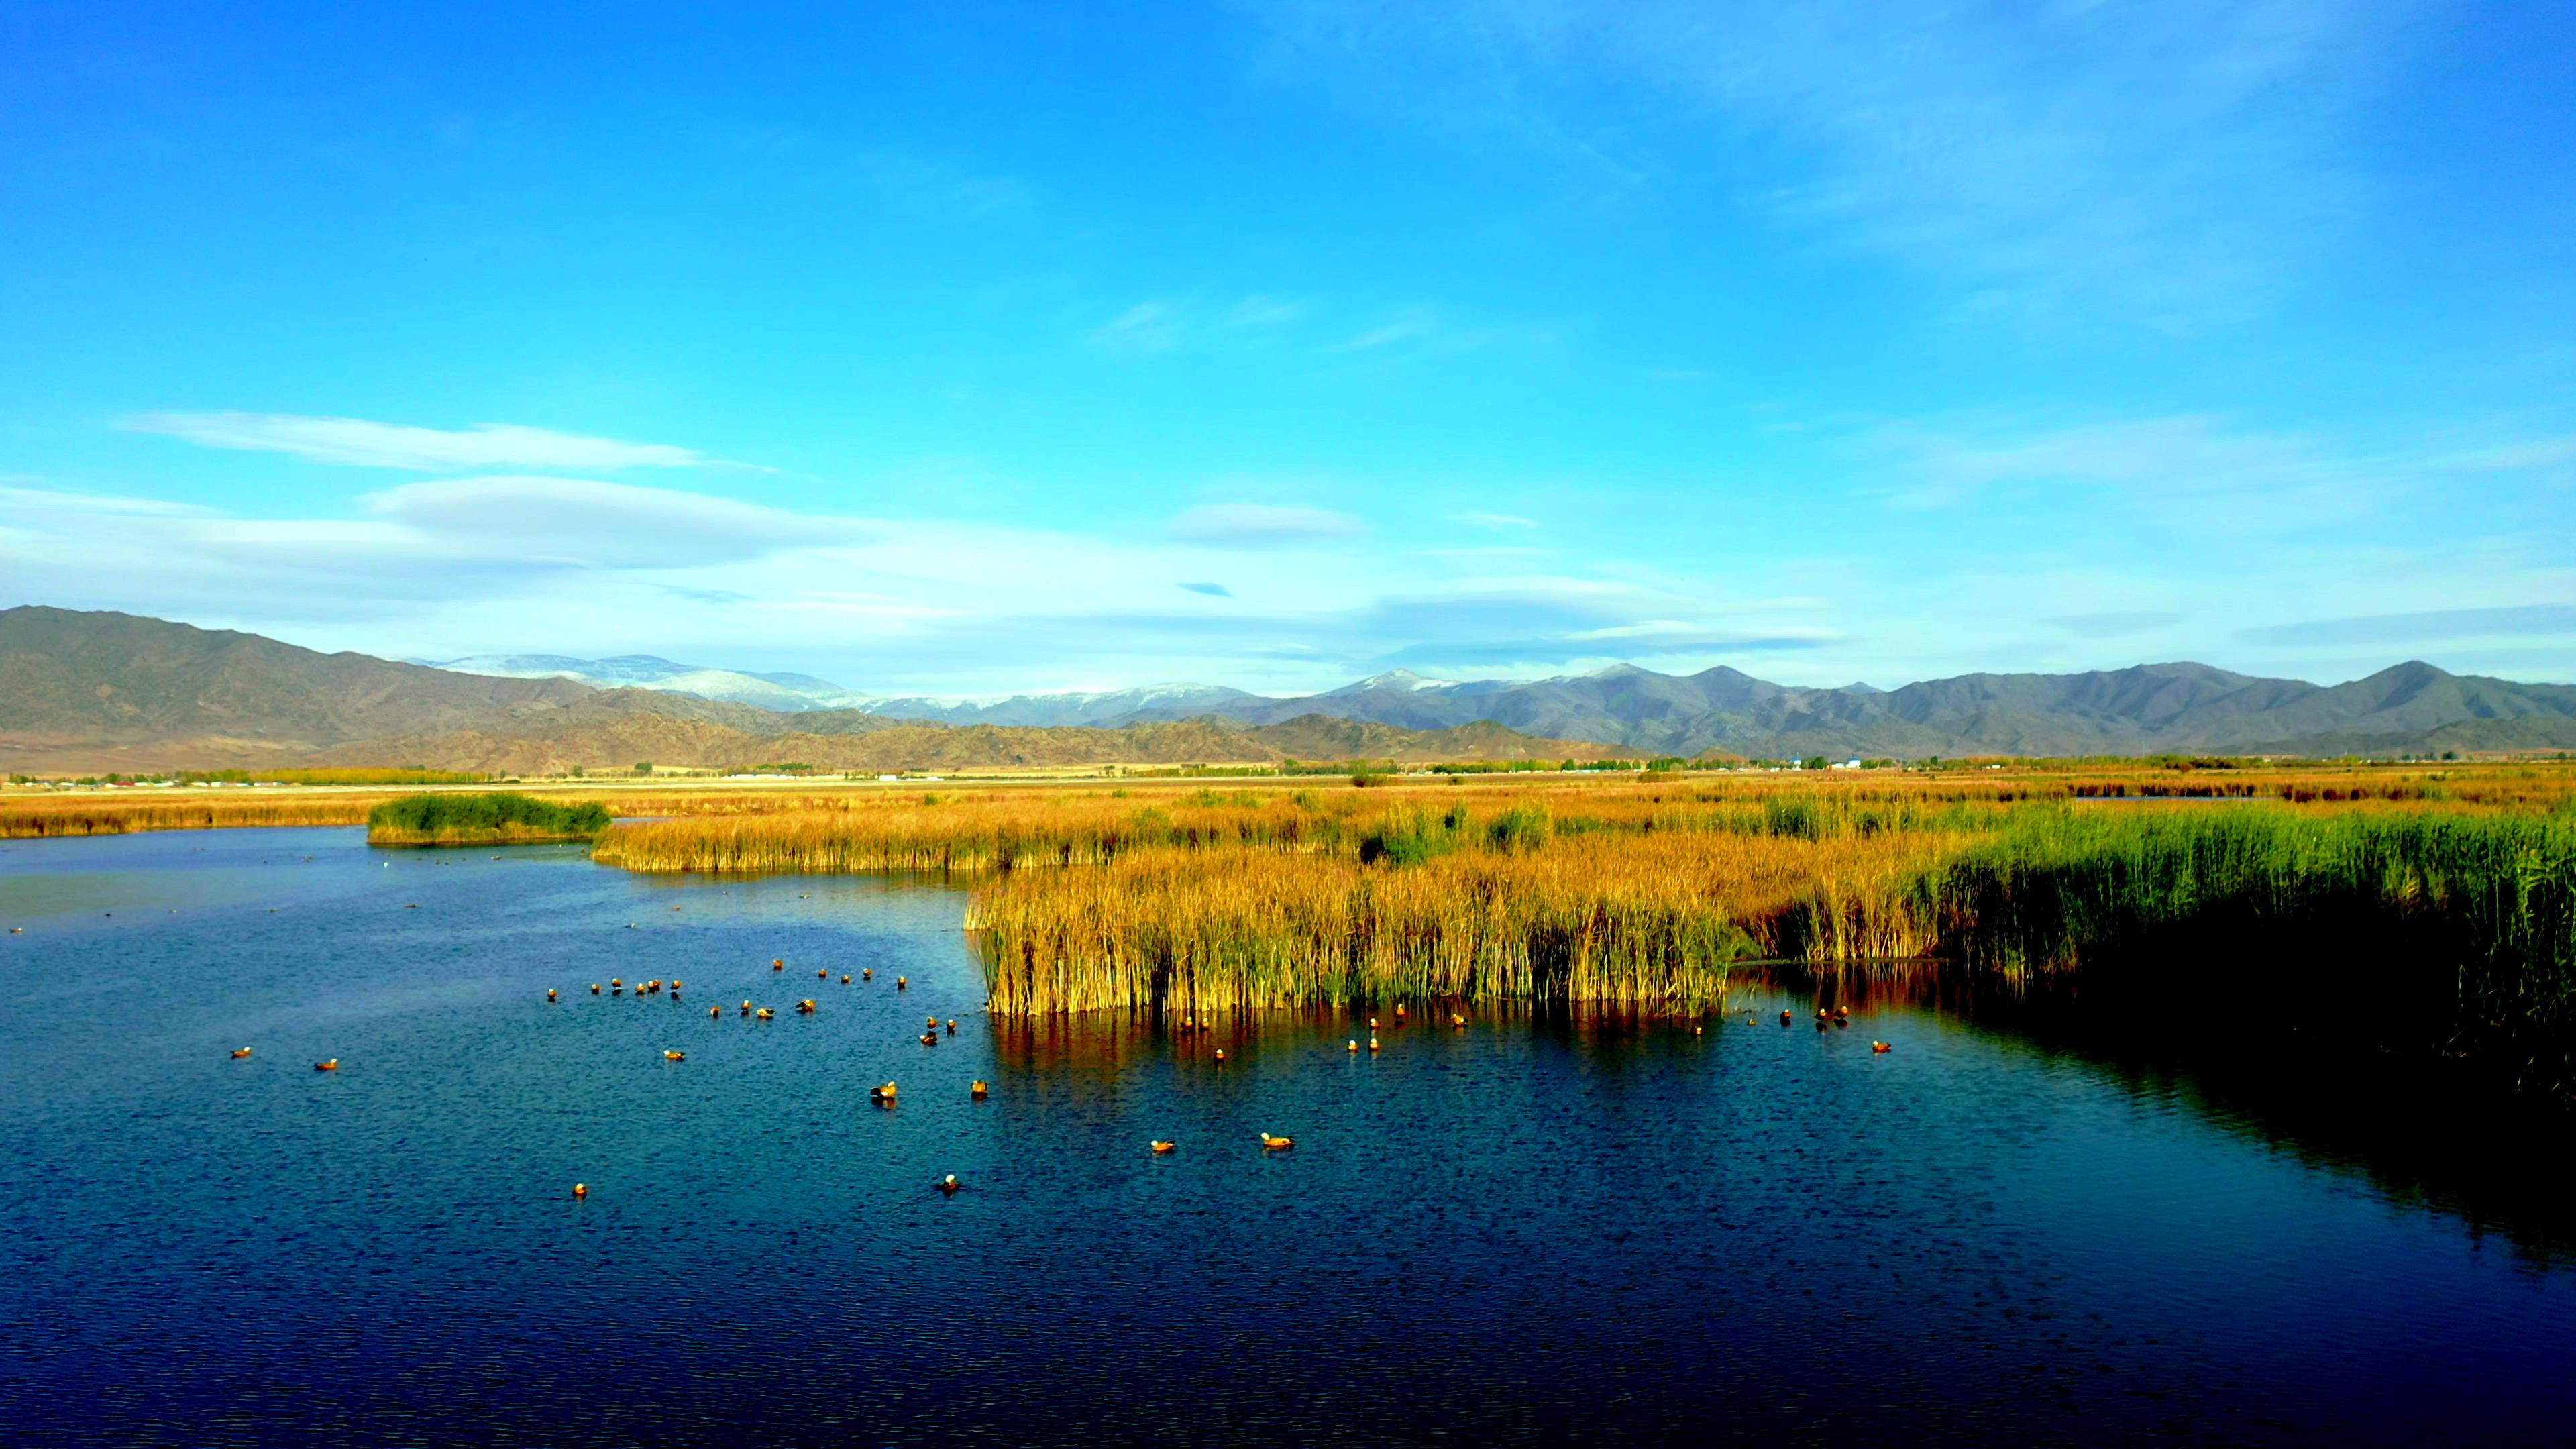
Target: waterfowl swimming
[[1372, 1043], [715, 1011], [746, 1008], [332, 1065], [845, 978], [952, 1026], [948, 1184], [901, 982], [1220, 1056], [822, 975], [805, 1007], [978, 1090], [1399, 1011], [884, 1094], [1457, 1021], [675, 1056], [1276, 1143], [930, 1021], [1785, 1017], [1843, 1014], [1880, 1047], [616, 981], [594, 988], [1372, 1023], [550, 993], [777, 965], [763, 1014], [1352, 1045], [1161, 1146], [581, 1189], [930, 1038], [1699, 1031], [240, 1052]]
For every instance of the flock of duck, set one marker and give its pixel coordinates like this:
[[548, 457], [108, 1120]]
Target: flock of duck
[[885, 1095]]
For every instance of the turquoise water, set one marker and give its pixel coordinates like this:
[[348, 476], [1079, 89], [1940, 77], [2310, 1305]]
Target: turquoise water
[[2004, 1230]]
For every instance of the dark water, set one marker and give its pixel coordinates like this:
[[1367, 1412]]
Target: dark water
[[1539, 1229]]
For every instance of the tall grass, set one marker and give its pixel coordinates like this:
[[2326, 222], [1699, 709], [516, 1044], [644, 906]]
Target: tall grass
[[2422, 933], [1653, 921], [481, 819]]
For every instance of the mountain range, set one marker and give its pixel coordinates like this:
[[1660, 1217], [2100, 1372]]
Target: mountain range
[[2144, 709], [92, 691]]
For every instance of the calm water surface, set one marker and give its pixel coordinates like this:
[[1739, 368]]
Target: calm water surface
[[1529, 1229]]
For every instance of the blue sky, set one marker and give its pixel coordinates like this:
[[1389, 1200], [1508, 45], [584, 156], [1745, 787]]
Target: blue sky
[[1008, 347]]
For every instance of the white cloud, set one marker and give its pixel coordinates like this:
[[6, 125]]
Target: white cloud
[[1494, 520], [1259, 525], [614, 525], [2170, 164], [359, 443], [1143, 328]]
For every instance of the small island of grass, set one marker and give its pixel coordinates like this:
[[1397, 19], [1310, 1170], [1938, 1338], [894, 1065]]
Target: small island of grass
[[500, 818]]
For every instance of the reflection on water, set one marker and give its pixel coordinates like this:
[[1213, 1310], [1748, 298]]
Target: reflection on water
[[2014, 1226]]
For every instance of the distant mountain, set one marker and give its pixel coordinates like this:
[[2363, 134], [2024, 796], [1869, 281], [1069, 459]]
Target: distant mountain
[[550, 746], [1116, 706], [782, 692], [96, 691], [2145, 709], [119, 691]]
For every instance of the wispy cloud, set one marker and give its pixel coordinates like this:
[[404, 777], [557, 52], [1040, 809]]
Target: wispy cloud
[[357, 442], [1261, 525], [2173, 165], [2436, 624], [1259, 311], [613, 525], [1213, 591], [1144, 328], [1494, 520], [2111, 625]]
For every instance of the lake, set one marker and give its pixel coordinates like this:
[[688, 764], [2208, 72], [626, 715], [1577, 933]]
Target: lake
[[2015, 1226]]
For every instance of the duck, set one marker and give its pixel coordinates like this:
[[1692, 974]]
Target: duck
[[884, 1094], [240, 1052], [675, 1056], [746, 1008], [1842, 1015], [948, 1184], [901, 983], [1457, 1022], [1785, 1017], [931, 1022], [764, 1014], [715, 1011], [1352, 1045], [1880, 1048], [845, 978], [1372, 1043], [1274, 1144], [1160, 1146], [675, 985], [930, 1038], [805, 1007], [952, 1026], [1399, 1012], [778, 965], [581, 1189], [1372, 1023], [1699, 1031], [332, 1065], [550, 993], [978, 1090], [822, 975], [1220, 1056], [594, 988], [616, 981]]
